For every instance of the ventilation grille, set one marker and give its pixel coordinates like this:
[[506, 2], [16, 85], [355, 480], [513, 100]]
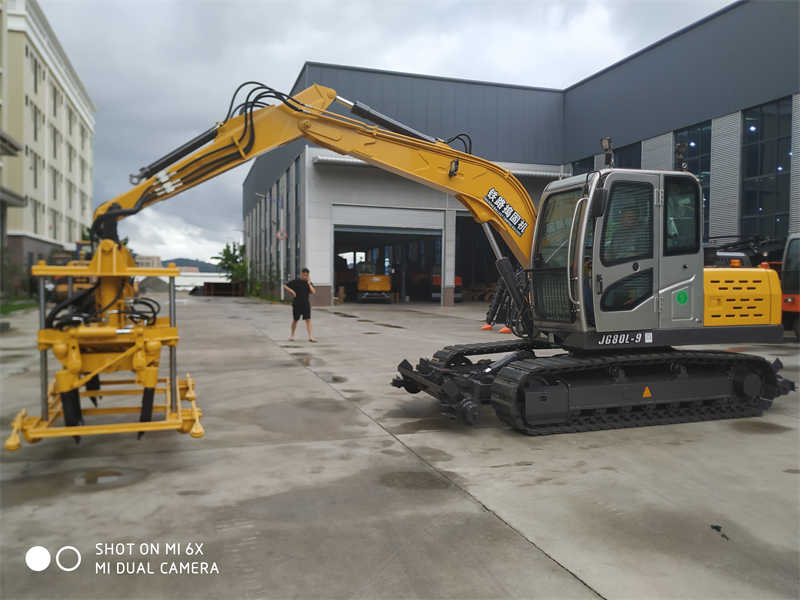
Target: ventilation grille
[[550, 295], [738, 299]]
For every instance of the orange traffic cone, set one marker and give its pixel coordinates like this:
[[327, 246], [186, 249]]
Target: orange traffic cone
[[505, 329], [486, 327]]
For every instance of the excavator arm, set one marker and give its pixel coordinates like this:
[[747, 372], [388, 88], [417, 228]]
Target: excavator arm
[[490, 193]]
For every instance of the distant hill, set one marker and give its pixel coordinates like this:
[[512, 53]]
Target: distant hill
[[202, 266]]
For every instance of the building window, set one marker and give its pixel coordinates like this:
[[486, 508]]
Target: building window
[[35, 111], [70, 119], [584, 165], [35, 208], [36, 69], [70, 193], [70, 156], [766, 162], [54, 96], [35, 169], [83, 138], [54, 138], [83, 171], [84, 203], [628, 157], [54, 223], [54, 178], [698, 160]]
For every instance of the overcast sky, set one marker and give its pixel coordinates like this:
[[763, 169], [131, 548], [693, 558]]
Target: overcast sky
[[162, 72]]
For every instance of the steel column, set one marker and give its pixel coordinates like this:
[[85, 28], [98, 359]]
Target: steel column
[[173, 356], [492, 242], [42, 354]]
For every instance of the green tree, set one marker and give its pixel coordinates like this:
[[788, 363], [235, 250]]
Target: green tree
[[231, 261]]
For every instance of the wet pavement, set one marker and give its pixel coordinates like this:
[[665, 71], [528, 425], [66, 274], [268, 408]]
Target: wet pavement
[[317, 479]]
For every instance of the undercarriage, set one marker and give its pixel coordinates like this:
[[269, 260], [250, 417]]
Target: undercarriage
[[586, 391]]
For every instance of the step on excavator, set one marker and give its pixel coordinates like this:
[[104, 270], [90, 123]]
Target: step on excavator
[[614, 278]]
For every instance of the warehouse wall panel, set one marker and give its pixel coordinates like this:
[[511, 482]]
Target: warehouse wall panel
[[726, 182], [658, 152], [794, 193]]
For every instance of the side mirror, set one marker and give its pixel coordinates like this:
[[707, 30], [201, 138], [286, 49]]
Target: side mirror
[[597, 205]]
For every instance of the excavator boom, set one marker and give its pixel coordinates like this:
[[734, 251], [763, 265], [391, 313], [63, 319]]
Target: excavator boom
[[491, 194]]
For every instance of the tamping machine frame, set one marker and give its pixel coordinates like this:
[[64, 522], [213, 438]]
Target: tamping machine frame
[[164, 332]]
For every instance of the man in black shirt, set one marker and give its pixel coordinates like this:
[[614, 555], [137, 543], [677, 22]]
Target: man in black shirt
[[301, 289]]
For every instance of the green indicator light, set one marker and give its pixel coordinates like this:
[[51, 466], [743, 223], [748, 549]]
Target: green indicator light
[[682, 297]]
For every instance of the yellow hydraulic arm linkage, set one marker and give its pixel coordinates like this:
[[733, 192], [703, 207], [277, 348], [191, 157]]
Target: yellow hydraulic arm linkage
[[491, 194]]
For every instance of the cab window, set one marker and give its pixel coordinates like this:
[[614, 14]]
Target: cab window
[[629, 292], [628, 227], [555, 220], [681, 216]]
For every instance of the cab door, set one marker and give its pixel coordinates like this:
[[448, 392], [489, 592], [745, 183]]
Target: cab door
[[680, 287], [624, 263]]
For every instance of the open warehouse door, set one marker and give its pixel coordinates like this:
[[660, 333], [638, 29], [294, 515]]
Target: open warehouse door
[[387, 264], [476, 274]]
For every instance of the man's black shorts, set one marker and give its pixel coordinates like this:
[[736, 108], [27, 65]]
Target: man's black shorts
[[301, 310]]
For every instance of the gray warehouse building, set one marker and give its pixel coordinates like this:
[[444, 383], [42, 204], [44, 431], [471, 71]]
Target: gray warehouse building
[[727, 86]]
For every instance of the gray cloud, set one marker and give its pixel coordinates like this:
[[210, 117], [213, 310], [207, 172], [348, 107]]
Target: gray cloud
[[161, 72]]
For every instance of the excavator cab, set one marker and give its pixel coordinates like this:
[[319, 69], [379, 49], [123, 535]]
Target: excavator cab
[[617, 260]]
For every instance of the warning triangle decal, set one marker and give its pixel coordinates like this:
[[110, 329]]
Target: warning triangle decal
[[647, 393]]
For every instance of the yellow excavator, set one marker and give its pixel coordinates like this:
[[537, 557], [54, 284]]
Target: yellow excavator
[[612, 275], [372, 285]]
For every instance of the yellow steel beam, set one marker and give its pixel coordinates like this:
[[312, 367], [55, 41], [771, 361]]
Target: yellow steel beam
[[185, 420], [42, 269], [101, 393]]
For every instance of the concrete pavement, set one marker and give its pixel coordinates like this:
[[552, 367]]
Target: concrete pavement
[[318, 479]]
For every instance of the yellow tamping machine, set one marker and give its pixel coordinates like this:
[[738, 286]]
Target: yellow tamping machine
[[104, 330]]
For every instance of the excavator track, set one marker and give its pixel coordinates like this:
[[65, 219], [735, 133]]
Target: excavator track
[[575, 392], [459, 384], [735, 385]]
